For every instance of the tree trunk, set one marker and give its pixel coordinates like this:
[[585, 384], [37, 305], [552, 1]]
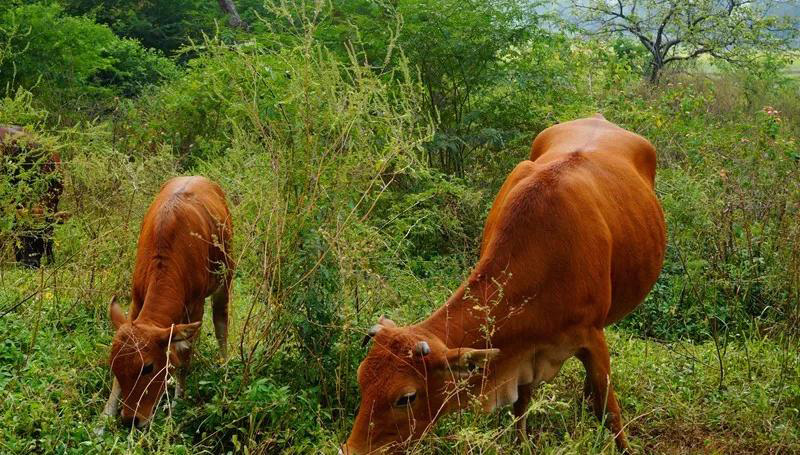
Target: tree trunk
[[656, 65], [653, 76], [234, 20]]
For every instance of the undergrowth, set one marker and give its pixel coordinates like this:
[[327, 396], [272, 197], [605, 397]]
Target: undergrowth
[[341, 214]]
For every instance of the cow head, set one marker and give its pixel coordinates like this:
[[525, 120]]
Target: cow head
[[408, 379], [141, 356]]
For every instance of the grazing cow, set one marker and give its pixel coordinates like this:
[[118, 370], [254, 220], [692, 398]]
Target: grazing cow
[[183, 256], [574, 241], [37, 179]]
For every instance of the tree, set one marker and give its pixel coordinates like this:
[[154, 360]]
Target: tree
[[679, 30], [458, 47], [72, 47], [60, 57], [166, 25]]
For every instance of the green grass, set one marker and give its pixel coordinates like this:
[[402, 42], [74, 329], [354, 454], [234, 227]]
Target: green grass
[[673, 396], [705, 64]]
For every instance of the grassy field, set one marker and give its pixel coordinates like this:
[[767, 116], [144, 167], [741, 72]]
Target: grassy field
[[358, 190], [677, 397], [706, 65]]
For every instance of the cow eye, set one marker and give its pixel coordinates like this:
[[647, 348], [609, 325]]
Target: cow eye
[[147, 369], [406, 400]]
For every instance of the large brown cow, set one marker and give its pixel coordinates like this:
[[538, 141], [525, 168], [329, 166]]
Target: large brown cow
[[183, 256], [574, 241], [36, 178]]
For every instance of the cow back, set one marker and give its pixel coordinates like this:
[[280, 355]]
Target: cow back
[[182, 249]]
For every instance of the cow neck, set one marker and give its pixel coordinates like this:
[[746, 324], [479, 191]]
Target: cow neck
[[461, 321], [164, 300]]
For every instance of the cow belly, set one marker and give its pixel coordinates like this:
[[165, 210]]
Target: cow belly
[[532, 367]]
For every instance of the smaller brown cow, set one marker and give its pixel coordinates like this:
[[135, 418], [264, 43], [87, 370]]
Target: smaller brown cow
[[574, 241], [182, 257], [36, 177]]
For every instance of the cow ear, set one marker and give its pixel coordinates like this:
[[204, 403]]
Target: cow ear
[[185, 332], [464, 362], [115, 314], [386, 322]]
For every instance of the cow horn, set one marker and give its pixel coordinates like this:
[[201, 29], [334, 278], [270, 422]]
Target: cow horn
[[422, 348], [371, 333]]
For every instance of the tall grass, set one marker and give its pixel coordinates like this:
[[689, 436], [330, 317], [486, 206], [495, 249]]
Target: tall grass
[[337, 220]]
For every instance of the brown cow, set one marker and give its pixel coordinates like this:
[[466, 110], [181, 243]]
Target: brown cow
[[183, 256], [38, 172], [574, 241]]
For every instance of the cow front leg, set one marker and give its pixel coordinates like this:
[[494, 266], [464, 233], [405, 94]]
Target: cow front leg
[[180, 373], [183, 370], [524, 393], [111, 407]]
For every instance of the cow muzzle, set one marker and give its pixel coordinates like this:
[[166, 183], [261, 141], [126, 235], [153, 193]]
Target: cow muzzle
[[134, 421]]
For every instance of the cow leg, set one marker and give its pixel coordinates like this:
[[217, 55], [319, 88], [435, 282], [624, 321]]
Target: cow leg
[[48, 245], [29, 251], [112, 405], [185, 359], [583, 356], [219, 309], [524, 393], [597, 362], [184, 349], [113, 400]]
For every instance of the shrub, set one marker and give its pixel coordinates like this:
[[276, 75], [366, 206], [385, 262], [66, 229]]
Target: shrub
[[133, 68], [86, 63]]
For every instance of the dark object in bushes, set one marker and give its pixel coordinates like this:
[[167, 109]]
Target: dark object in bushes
[[35, 176]]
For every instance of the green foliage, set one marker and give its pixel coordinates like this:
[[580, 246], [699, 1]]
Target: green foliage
[[86, 62], [360, 145], [727, 194], [166, 25], [456, 49], [133, 68], [72, 47], [674, 31]]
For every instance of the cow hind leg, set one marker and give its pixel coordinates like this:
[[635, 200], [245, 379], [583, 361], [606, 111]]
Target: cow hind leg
[[587, 381], [219, 308], [524, 393], [598, 389]]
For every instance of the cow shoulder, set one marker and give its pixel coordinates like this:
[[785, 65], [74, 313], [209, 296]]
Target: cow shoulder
[[538, 216]]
